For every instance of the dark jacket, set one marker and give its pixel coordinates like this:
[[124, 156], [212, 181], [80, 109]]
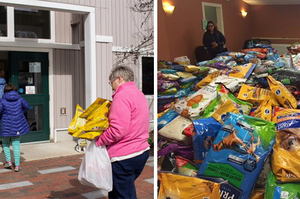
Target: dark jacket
[[12, 109], [218, 37], [2, 85]]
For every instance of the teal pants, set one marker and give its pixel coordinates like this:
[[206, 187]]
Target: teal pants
[[16, 147]]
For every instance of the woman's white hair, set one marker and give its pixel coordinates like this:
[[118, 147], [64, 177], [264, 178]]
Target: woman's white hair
[[124, 71]]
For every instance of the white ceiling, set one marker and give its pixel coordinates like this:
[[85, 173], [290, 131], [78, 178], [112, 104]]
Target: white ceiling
[[272, 2]]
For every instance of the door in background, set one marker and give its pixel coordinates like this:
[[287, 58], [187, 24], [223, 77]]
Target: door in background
[[28, 71]]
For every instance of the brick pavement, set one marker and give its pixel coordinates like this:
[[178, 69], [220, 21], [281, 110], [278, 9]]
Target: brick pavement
[[36, 181]]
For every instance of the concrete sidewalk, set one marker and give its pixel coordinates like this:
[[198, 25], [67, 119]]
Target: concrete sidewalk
[[39, 151]]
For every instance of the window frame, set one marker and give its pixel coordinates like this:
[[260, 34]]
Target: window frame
[[11, 29]]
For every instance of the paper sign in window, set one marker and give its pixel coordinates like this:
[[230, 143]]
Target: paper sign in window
[[34, 67], [30, 89]]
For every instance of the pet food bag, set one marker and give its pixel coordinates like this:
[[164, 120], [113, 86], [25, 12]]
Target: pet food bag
[[194, 105], [93, 107], [185, 166], [166, 118], [206, 131], [173, 130], [76, 121], [276, 190], [185, 187], [282, 94], [286, 152], [239, 151], [183, 60]]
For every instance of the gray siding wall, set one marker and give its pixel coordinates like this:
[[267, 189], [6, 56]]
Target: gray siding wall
[[68, 80], [113, 18]]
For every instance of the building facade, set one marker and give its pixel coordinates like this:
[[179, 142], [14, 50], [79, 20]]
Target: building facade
[[59, 54]]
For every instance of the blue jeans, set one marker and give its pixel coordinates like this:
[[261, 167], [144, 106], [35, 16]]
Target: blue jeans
[[125, 172]]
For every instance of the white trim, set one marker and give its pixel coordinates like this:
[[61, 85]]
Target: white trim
[[90, 59], [219, 14], [51, 94], [52, 26], [38, 44], [10, 24], [104, 39], [55, 132], [60, 7]]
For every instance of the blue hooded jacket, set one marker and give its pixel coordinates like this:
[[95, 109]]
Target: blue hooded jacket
[[2, 85], [12, 109]]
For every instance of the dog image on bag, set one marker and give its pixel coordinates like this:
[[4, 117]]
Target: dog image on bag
[[232, 141]]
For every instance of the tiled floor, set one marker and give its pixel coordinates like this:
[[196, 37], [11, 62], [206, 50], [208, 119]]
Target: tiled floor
[[57, 178]]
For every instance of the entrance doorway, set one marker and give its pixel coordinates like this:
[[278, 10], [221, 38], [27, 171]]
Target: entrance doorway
[[213, 12], [28, 71]]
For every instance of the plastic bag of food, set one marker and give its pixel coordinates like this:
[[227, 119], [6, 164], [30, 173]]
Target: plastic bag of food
[[208, 79], [166, 118], [101, 112], [224, 95], [239, 151], [185, 187], [189, 131], [286, 151], [98, 124], [254, 95], [206, 131], [183, 60], [93, 107], [163, 85], [240, 71], [185, 167], [284, 97], [231, 83], [90, 135], [170, 77], [173, 130], [194, 105], [224, 108], [263, 111], [276, 190], [76, 121]]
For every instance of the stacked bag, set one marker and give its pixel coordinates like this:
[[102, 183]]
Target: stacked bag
[[231, 123], [92, 122]]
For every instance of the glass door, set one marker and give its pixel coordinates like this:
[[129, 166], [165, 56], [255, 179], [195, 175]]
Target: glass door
[[29, 73]]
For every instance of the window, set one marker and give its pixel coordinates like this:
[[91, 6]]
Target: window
[[148, 75], [3, 21], [32, 23]]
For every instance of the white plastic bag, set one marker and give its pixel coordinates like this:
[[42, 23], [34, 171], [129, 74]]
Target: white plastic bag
[[95, 169]]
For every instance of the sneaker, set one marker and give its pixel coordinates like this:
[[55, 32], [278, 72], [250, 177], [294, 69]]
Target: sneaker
[[17, 168], [8, 165]]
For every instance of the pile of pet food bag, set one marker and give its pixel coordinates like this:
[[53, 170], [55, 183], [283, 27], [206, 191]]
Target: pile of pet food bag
[[229, 127], [92, 122]]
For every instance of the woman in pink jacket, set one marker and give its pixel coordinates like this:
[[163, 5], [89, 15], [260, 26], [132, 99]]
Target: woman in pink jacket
[[127, 136]]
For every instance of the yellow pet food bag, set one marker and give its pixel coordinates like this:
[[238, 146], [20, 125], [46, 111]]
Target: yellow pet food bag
[[220, 113], [93, 107], [101, 111], [185, 187], [208, 79], [286, 151], [76, 121], [282, 94], [87, 135], [254, 95]]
